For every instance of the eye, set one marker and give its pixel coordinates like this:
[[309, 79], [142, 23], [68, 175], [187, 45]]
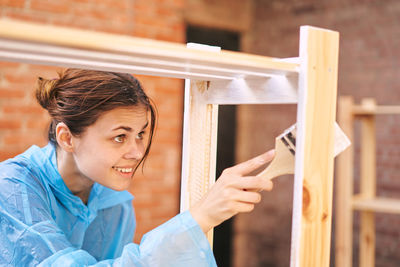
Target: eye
[[140, 135], [120, 138]]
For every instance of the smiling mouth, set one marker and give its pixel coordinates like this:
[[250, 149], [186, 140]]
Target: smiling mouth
[[123, 170]]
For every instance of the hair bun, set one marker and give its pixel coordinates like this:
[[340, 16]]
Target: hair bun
[[46, 91]]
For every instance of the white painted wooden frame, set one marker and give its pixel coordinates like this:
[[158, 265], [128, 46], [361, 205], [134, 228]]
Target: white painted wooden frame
[[217, 78]]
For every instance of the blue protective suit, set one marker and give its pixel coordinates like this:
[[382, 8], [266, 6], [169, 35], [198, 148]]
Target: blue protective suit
[[43, 223]]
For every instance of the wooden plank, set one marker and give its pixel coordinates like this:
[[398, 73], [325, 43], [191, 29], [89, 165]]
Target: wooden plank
[[199, 155], [376, 110], [344, 188], [199, 146], [23, 41], [377, 204], [271, 90], [312, 208], [103, 61], [367, 184]]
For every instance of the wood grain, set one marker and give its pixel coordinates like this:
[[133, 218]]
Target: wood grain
[[344, 188], [311, 229], [367, 185]]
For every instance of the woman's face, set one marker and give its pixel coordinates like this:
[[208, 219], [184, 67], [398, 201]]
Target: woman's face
[[109, 150]]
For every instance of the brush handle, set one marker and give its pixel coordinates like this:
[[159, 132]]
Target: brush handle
[[283, 162]]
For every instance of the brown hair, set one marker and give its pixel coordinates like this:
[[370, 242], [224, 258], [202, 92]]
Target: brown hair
[[78, 98]]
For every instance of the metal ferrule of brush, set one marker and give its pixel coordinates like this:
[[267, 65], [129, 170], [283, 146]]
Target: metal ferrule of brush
[[288, 137]]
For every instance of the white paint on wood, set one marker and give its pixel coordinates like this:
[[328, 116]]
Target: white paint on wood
[[199, 142], [299, 158], [199, 145], [185, 204], [31, 41], [276, 89]]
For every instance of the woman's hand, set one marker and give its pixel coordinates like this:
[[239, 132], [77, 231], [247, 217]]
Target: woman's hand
[[232, 193]]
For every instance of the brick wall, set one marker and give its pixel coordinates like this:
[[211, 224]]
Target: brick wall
[[22, 121], [368, 67]]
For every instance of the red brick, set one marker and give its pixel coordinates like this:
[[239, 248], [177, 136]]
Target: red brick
[[19, 78], [143, 8], [99, 14], [178, 3], [169, 37], [13, 3], [111, 4], [9, 93], [165, 12], [142, 32], [32, 110], [57, 7], [6, 64], [37, 124], [23, 138], [150, 21], [9, 124], [26, 16]]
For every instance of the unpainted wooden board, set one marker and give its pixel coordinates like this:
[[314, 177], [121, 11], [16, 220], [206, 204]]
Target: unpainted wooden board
[[311, 227], [367, 185], [344, 189], [376, 204]]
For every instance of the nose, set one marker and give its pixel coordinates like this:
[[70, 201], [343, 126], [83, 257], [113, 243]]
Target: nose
[[134, 151]]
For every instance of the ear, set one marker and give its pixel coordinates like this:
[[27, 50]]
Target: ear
[[64, 137]]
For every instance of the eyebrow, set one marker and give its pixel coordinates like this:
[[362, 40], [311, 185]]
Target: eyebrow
[[129, 129]]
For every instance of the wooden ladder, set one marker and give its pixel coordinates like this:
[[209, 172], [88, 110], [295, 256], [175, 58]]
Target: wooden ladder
[[367, 202]]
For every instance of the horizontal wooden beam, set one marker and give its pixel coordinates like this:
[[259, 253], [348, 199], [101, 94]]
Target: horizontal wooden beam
[[377, 110], [376, 204], [67, 47], [276, 89]]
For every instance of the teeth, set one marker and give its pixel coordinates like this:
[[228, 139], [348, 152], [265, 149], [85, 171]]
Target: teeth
[[126, 170]]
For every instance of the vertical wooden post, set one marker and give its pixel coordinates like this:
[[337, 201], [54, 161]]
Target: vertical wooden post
[[311, 232], [368, 184], [199, 145], [199, 149], [344, 188]]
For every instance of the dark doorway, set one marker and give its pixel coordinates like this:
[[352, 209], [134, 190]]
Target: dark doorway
[[226, 134]]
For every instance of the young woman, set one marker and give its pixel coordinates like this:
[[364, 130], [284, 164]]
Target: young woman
[[65, 204]]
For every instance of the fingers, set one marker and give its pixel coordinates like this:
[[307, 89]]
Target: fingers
[[244, 207], [252, 164], [231, 194], [252, 183], [247, 197]]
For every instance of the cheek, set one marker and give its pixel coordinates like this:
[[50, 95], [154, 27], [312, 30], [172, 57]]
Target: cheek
[[94, 162]]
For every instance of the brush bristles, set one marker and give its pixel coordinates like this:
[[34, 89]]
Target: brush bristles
[[288, 137]]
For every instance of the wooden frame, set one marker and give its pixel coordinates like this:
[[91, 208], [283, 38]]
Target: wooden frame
[[366, 201], [219, 78]]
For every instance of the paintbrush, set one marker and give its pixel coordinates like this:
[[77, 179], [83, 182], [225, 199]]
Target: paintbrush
[[285, 149]]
